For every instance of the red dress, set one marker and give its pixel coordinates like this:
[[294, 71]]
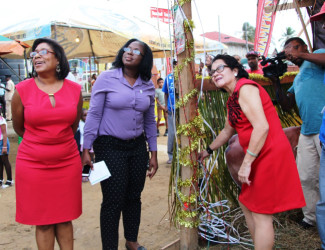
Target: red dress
[[275, 184], [48, 164]]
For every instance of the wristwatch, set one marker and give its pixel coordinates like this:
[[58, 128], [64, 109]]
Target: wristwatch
[[209, 150]]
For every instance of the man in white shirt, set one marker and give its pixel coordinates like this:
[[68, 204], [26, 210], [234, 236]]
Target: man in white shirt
[[10, 89], [2, 99]]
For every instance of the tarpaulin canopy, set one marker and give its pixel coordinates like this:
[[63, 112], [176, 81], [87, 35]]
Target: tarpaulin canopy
[[8, 46], [90, 31]]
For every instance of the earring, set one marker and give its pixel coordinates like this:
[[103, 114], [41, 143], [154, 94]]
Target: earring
[[235, 74], [58, 69]]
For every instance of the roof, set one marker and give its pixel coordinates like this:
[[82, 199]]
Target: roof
[[214, 35]]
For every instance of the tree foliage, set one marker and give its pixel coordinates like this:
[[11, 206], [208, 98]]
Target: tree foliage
[[250, 30], [289, 32]]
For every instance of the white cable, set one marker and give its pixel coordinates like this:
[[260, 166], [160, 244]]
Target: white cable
[[213, 225]]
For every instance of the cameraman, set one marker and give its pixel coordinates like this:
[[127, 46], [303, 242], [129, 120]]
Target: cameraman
[[320, 206], [308, 91]]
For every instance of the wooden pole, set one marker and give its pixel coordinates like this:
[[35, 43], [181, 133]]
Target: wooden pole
[[89, 67], [303, 25], [188, 236]]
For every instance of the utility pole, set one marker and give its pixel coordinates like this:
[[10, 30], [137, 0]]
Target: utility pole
[[246, 37]]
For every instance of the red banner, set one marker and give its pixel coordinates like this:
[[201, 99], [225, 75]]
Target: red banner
[[163, 15], [264, 26]]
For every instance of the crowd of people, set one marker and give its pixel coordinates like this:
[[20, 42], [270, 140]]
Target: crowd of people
[[59, 137]]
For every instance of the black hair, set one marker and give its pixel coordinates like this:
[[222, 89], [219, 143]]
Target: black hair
[[159, 79], [232, 63], [58, 53], [298, 39], [145, 64]]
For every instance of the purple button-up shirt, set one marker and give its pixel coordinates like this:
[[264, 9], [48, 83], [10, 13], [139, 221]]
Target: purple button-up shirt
[[120, 110]]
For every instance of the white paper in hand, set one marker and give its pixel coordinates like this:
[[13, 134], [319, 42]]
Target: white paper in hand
[[99, 173]]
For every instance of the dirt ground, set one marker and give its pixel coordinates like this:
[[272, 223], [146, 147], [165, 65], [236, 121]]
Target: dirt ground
[[155, 231]]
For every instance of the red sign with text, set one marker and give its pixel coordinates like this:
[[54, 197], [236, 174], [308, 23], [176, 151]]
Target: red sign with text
[[163, 15]]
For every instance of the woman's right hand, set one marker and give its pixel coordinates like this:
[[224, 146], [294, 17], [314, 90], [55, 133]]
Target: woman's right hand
[[202, 155], [244, 172], [86, 159], [4, 151]]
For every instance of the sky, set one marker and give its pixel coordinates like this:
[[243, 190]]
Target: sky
[[232, 13]]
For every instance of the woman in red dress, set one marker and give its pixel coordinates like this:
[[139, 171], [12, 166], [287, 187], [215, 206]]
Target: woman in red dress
[[269, 176], [46, 111]]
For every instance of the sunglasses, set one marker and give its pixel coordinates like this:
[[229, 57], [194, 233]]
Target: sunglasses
[[42, 52], [134, 51], [219, 69]]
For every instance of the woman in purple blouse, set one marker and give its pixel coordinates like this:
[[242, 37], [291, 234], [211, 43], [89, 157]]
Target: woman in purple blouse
[[120, 123]]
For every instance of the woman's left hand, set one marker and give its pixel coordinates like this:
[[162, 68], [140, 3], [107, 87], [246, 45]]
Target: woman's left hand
[[244, 173], [153, 165]]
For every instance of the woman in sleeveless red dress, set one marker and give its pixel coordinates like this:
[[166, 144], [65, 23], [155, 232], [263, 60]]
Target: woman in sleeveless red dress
[[269, 176], [46, 111]]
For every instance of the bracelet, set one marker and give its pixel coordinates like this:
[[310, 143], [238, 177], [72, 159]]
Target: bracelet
[[251, 153], [209, 150]]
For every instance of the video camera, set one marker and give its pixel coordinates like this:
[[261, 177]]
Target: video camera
[[276, 68]]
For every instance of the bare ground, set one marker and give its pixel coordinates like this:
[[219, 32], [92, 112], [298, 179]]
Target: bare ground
[[155, 230]]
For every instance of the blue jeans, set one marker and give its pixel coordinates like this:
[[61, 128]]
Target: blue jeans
[[320, 207], [171, 136]]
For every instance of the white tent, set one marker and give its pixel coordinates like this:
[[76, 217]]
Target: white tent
[[92, 33], [100, 30]]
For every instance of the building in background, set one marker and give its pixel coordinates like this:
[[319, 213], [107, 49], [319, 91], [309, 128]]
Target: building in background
[[236, 46]]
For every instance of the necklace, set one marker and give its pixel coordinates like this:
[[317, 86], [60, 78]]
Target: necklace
[[49, 89]]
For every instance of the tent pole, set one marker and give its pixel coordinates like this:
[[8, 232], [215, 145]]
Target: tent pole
[[90, 67], [91, 44], [26, 66], [86, 78], [11, 69]]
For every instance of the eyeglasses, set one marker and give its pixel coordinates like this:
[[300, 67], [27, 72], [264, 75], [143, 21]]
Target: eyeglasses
[[219, 69], [42, 52], [134, 51]]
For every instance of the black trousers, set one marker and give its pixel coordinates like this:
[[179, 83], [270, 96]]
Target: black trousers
[[127, 161]]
